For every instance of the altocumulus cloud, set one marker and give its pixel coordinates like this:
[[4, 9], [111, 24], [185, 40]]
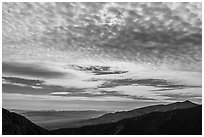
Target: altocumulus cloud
[[149, 32]]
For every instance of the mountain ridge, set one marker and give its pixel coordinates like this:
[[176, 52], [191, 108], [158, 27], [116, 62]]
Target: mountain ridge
[[175, 118], [187, 121], [114, 117]]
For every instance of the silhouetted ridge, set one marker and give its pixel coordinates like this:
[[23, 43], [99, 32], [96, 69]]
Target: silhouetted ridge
[[177, 122], [189, 102], [114, 117], [15, 124], [173, 119]]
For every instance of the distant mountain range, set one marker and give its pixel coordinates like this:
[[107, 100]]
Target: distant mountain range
[[114, 117], [57, 119], [177, 118], [177, 122]]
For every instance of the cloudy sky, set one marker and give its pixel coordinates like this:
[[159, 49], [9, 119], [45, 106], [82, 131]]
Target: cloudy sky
[[102, 56]]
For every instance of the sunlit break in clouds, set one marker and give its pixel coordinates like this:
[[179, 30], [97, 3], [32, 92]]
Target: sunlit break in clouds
[[100, 56]]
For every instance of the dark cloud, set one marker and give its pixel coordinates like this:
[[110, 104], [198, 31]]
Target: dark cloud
[[29, 82], [27, 86], [23, 89], [97, 70], [158, 83], [30, 70]]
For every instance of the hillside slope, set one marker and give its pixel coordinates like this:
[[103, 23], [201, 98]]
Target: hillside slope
[[177, 122], [117, 116], [15, 124]]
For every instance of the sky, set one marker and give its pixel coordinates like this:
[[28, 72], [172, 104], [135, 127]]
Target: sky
[[100, 56]]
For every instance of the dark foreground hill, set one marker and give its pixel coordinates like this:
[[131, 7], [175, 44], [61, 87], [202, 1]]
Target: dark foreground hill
[[14, 124], [117, 116], [177, 122]]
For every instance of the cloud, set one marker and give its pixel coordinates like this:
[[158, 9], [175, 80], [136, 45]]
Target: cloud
[[97, 38], [148, 32], [21, 82], [29, 82], [59, 93], [105, 92], [30, 70], [158, 83], [28, 86], [83, 92], [98, 70], [21, 85], [188, 93], [48, 102], [181, 96]]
